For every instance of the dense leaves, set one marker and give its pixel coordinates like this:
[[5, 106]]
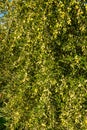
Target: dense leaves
[[43, 65]]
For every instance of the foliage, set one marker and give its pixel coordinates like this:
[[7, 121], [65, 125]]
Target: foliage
[[44, 65]]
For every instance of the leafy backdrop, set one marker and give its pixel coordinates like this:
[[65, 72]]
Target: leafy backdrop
[[43, 65]]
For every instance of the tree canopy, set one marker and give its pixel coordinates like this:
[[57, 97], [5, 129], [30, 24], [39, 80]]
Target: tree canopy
[[43, 65]]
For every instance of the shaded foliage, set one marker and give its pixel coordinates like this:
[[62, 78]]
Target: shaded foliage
[[43, 65]]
